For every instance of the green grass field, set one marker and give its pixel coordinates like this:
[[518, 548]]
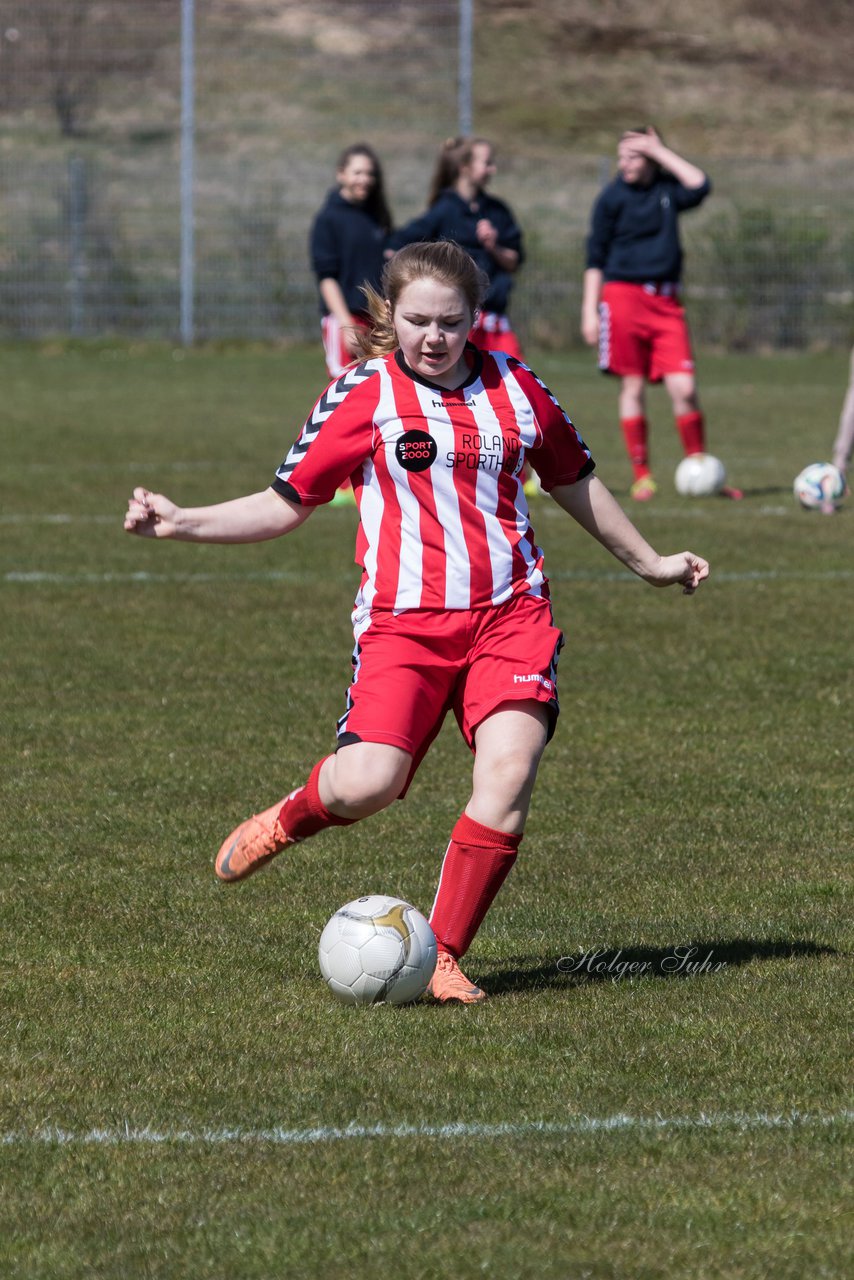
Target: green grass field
[[181, 1095]]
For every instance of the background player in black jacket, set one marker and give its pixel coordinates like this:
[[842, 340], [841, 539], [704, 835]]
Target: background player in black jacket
[[631, 306], [347, 240], [347, 244], [461, 209]]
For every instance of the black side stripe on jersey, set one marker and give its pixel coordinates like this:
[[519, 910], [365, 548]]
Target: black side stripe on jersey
[[513, 363], [328, 402], [355, 662]]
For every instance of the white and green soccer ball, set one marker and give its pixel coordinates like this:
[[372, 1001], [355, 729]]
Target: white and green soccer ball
[[377, 950], [700, 475], [819, 484]]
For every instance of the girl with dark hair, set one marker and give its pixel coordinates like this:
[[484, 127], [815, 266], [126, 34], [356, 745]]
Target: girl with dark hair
[[347, 240], [461, 209]]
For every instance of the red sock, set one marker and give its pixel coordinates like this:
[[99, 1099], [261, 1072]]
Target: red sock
[[476, 864], [303, 813], [636, 433], [692, 430]]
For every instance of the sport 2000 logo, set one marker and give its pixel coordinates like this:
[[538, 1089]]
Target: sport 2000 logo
[[416, 450]]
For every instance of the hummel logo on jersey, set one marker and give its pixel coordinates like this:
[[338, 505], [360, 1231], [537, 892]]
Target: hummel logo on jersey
[[462, 402], [536, 678]]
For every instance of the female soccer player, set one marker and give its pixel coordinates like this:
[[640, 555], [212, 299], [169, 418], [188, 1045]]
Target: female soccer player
[[630, 305], [461, 209], [843, 445], [453, 608], [347, 240]]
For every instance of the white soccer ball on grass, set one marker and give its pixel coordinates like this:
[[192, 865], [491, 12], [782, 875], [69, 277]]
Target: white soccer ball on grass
[[818, 485], [700, 475], [377, 950]]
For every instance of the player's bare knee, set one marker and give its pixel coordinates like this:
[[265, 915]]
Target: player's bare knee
[[366, 778], [509, 774]]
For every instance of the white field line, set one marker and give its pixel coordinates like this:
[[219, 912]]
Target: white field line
[[58, 517], [36, 577], [578, 1126]]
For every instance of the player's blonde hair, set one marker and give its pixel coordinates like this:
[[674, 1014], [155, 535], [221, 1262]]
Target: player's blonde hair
[[441, 260]]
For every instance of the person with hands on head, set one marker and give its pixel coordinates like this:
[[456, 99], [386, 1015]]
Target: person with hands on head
[[631, 308], [453, 611]]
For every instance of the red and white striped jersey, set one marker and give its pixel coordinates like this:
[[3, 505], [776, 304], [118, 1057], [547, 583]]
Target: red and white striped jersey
[[444, 522]]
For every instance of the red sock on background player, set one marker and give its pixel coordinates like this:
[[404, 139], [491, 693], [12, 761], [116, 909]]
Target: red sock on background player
[[476, 864], [692, 431], [636, 435]]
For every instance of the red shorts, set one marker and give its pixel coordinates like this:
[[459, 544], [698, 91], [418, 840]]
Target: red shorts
[[492, 331], [642, 332], [338, 354], [411, 668]]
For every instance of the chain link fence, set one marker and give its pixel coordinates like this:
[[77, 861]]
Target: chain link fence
[[90, 191]]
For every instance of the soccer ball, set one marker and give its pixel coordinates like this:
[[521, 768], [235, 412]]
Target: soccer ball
[[819, 483], [700, 475], [377, 949]]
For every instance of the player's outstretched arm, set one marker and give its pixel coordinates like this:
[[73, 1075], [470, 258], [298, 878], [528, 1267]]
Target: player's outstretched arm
[[597, 511], [255, 518]]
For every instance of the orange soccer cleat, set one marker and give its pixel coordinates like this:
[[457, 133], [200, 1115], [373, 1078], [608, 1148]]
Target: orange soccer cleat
[[251, 845], [450, 983]]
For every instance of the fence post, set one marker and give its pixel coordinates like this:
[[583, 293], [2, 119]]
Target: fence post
[[77, 209], [187, 157], [464, 71]]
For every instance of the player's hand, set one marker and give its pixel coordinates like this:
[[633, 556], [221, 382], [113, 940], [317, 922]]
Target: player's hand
[[486, 233], [684, 568], [590, 328], [644, 142], [151, 515]]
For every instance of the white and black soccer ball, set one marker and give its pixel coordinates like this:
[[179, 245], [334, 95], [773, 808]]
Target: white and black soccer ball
[[377, 950], [818, 484], [700, 475]]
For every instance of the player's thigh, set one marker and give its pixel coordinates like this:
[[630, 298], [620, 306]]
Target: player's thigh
[[513, 659], [509, 744], [508, 747], [366, 775], [632, 396], [404, 675], [671, 350], [682, 390]]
